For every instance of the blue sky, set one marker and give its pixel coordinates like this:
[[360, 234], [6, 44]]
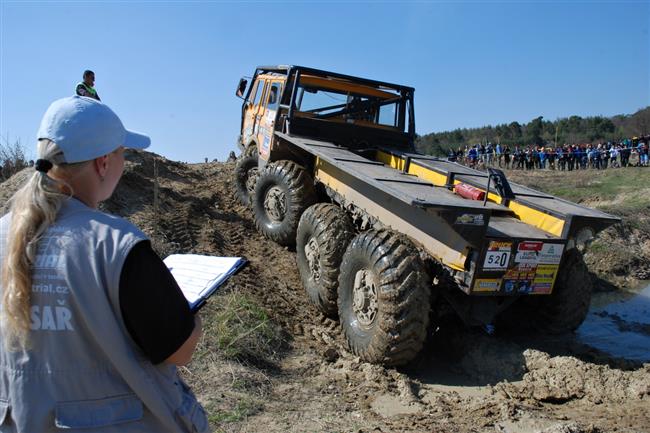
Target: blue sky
[[169, 69]]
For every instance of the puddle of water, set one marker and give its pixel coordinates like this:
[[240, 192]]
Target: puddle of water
[[619, 324]]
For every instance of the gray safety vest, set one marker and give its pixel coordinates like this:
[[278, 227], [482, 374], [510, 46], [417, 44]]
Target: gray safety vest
[[84, 371]]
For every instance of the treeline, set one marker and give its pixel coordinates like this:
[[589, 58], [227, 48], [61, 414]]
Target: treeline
[[540, 132]]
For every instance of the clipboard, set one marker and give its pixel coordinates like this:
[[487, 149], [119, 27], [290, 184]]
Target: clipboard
[[199, 276]]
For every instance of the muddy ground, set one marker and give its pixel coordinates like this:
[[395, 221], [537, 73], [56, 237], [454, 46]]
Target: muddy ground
[[464, 381]]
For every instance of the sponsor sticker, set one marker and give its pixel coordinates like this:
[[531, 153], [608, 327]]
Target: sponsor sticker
[[520, 278], [500, 246], [539, 252], [542, 288], [527, 252], [544, 278], [522, 271], [530, 246], [470, 219], [545, 273], [551, 254], [266, 145], [526, 257], [517, 286], [487, 285]]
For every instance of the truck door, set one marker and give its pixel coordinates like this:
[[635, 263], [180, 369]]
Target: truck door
[[266, 117], [252, 113]]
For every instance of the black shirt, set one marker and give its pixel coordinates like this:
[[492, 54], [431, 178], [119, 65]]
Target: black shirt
[[154, 309]]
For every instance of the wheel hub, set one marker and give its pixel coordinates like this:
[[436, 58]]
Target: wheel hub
[[313, 258], [275, 204], [364, 297]]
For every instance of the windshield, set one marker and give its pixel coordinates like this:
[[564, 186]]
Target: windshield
[[349, 107]]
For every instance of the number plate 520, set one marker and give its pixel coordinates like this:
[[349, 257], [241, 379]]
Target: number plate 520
[[496, 260]]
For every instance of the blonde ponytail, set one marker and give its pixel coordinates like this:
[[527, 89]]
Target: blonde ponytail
[[33, 209]]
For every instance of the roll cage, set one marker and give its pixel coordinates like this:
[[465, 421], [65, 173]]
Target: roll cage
[[365, 97]]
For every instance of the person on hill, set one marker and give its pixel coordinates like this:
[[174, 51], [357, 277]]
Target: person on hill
[[613, 155], [499, 152], [541, 158], [590, 156], [480, 151], [642, 150], [605, 154], [93, 324], [624, 152], [516, 158], [597, 158], [85, 88], [560, 156], [472, 155], [532, 158], [506, 156], [489, 155]]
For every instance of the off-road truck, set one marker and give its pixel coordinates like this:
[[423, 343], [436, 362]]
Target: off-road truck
[[384, 235]]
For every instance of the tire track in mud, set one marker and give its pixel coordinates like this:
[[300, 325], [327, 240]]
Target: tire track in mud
[[226, 227]]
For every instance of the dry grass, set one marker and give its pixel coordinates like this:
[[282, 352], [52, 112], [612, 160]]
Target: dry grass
[[242, 329], [234, 359], [621, 191]]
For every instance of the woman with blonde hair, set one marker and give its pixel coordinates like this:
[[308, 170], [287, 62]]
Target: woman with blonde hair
[[92, 323]]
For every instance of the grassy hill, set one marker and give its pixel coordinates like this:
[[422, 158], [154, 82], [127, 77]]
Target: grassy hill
[[621, 254]]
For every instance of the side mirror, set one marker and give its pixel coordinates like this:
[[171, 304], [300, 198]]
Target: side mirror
[[241, 88]]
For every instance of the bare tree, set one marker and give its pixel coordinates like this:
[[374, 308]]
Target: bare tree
[[12, 158]]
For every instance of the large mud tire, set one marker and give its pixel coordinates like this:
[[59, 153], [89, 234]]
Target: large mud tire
[[324, 232], [383, 298], [283, 191], [567, 307], [245, 177]]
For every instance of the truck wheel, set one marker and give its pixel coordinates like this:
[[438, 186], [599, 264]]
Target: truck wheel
[[282, 192], [384, 295], [566, 308], [324, 233], [245, 177]]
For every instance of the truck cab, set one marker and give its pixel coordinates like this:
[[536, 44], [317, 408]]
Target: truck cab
[[348, 111]]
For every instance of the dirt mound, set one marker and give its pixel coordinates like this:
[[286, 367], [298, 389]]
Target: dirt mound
[[11, 185], [561, 379], [471, 382]]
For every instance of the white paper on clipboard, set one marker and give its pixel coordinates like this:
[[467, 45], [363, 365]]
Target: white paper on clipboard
[[199, 276]]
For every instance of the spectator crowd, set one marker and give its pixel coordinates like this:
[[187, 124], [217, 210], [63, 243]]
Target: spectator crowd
[[629, 152]]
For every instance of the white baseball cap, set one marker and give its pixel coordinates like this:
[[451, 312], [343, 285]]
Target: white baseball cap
[[85, 129]]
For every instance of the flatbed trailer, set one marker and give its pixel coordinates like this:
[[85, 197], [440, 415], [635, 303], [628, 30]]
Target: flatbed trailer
[[368, 214]]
